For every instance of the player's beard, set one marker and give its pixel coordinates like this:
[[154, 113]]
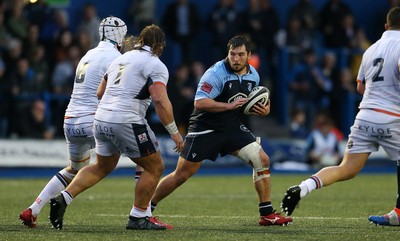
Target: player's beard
[[238, 68]]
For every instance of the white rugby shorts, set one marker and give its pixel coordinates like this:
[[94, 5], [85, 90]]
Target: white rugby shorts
[[131, 140], [367, 136], [78, 134]]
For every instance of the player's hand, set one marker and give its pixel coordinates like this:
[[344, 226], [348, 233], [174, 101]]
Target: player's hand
[[237, 103], [261, 110], [177, 138]]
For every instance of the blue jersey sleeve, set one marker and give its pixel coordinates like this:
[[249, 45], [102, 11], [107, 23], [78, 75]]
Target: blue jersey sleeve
[[210, 86], [254, 73]]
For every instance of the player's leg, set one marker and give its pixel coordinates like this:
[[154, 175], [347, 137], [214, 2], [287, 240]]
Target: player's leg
[[154, 219], [350, 166], [183, 171], [58, 183], [197, 148], [107, 156], [138, 173], [359, 146], [79, 149], [152, 170], [391, 147], [147, 156], [92, 174], [393, 217], [254, 155], [86, 178]]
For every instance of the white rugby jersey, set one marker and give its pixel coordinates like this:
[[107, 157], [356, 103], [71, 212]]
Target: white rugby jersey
[[380, 72], [89, 72], [127, 95]]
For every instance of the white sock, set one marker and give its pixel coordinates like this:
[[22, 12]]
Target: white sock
[[310, 185], [67, 197], [148, 211], [138, 212], [52, 188]]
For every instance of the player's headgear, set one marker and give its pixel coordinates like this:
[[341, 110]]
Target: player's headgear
[[112, 29]]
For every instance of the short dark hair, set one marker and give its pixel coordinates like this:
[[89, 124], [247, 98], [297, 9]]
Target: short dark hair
[[393, 18], [152, 36], [239, 40]]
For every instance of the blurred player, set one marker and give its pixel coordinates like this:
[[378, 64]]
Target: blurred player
[[376, 124], [133, 80], [79, 116], [221, 92]]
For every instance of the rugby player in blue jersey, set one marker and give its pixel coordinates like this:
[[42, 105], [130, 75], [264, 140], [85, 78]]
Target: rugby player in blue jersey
[[215, 127]]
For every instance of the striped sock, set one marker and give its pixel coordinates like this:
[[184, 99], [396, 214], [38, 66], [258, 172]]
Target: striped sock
[[310, 185], [53, 187], [67, 197]]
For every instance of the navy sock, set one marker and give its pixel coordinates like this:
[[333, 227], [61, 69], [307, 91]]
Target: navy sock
[[265, 208]]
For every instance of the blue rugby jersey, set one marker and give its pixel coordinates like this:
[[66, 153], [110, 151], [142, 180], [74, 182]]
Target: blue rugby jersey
[[220, 83]]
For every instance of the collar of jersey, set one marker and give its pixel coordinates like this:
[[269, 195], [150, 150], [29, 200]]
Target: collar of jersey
[[147, 48], [391, 34], [106, 43]]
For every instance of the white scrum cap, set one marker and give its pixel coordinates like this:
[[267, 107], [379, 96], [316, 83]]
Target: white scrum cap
[[112, 29]]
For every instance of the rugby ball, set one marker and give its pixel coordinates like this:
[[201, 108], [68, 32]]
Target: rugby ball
[[258, 94]]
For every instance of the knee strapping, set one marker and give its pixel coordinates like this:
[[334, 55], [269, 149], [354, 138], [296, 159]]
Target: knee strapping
[[68, 175], [78, 165], [251, 155]]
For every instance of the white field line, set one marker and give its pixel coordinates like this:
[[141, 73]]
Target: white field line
[[227, 217]]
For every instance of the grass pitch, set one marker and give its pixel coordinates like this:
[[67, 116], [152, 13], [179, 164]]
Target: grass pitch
[[208, 208]]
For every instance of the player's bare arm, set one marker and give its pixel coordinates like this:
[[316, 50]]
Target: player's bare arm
[[360, 87], [211, 105], [163, 107], [101, 88]]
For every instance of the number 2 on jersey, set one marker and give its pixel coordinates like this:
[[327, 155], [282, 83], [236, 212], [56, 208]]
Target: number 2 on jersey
[[378, 62]]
